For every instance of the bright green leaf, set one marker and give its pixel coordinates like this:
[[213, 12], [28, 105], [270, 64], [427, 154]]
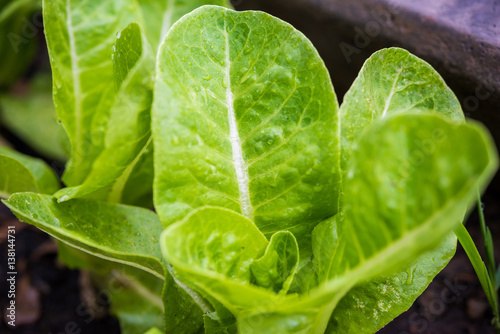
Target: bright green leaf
[[424, 183], [251, 115], [478, 264], [82, 72], [129, 118], [20, 173], [373, 304], [277, 267], [394, 81]]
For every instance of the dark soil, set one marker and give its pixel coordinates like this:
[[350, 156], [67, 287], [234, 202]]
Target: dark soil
[[49, 297]]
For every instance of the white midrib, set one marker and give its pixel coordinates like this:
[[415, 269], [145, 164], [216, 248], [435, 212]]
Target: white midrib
[[77, 91], [239, 163], [391, 94]]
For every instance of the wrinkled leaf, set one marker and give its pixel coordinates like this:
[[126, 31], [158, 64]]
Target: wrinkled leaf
[[20, 173], [371, 305], [277, 267], [249, 109], [214, 249], [424, 176]]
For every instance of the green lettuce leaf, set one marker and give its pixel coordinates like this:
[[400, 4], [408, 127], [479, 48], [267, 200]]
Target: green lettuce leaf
[[393, 81], [32, 117], [250, 109], [20, 173], [214, 249], [129, 117], [82, 70], [276, 268]]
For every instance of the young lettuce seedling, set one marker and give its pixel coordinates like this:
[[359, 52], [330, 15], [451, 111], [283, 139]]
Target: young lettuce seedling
[[276, 210]]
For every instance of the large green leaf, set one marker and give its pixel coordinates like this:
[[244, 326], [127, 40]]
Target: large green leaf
[[371, 305], [119, 233], [32, 117], [20, 173], [127, 132], [80, 36], [250, 113], [423, 175], [393, 81]]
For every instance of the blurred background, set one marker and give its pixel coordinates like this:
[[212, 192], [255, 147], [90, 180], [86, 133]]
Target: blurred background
[[460, 38]]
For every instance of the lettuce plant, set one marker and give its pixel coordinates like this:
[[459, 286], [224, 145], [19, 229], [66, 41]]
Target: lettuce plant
[[276, 210]]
